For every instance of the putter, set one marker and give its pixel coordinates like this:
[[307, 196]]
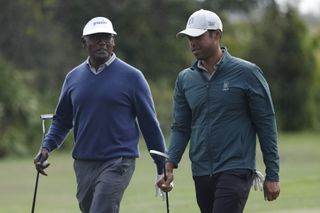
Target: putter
[[43, 118], [165, 156]]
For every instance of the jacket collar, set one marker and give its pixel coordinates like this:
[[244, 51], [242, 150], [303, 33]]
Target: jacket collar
[[225, 58]]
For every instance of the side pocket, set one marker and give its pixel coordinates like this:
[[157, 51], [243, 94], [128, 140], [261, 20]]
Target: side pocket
[[125, 165]]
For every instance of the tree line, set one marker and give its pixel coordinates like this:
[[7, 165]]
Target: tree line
[[41, 41]]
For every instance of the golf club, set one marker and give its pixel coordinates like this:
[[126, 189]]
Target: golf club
[[43, 118], [165, 156]]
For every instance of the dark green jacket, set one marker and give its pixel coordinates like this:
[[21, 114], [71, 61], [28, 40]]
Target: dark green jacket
[[221, 118]]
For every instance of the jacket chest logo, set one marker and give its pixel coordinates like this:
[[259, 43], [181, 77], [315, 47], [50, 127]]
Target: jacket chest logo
[[225, 86]]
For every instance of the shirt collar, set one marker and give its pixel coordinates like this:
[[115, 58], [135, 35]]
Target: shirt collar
[[215, 67], [199, 64], [102, 66]]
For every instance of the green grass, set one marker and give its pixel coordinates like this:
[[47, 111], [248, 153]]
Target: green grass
[[300, 183]]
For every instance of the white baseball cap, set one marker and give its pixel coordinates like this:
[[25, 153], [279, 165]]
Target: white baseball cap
[[199, 22], [98, 25]]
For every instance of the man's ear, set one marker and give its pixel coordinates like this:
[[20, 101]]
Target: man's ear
[[220, 33], [113, 42], [84, 42]]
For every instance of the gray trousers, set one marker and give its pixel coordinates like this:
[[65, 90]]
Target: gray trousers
[[101, 184]]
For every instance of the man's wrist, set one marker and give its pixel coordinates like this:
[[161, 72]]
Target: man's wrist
[[46, 149], [170, 166]]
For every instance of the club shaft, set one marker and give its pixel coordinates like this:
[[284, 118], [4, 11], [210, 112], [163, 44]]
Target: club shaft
[[43, 117], [167, 202], [35, 193], [167, 194]]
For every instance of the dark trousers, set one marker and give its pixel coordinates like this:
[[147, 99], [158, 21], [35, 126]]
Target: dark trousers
[[225, 192], [101, 184]]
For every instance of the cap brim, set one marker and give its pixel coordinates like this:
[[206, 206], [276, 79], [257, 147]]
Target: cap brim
[[98, 31], [190, 32]]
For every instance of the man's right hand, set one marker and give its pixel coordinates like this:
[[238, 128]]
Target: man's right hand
[[40, 161], [167, 185]]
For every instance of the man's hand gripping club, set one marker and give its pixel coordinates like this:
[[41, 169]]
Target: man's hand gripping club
[[40, 161]]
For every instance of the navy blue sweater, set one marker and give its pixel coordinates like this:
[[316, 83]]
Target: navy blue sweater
[[106, 112]]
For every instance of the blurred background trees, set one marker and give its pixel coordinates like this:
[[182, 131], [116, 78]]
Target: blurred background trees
[[284, 51], [41, 41]]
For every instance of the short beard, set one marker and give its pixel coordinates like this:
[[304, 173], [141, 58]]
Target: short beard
[[101, 59]]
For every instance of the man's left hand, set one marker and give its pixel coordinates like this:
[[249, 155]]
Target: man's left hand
[[271, 190], [159, 192]]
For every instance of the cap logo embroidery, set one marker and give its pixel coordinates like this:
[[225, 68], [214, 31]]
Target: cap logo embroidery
[[190, 21], [99, 22], [211, 23]]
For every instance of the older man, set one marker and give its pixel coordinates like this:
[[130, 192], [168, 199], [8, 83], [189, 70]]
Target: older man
[[106, 102]]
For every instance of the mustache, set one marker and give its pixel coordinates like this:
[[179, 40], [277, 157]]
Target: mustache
[[102, 49], [195, 48]]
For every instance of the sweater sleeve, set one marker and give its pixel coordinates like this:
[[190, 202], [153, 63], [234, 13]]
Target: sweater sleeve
[[263, 117], [61, 122], [181, 126], [148, 122]]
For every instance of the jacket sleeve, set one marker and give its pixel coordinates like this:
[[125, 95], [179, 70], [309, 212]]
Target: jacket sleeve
[[263, 118], [148, 122], [61, 122], [181, 126]]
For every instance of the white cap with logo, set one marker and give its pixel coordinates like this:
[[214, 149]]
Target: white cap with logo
[[199, 22], [98, 25]]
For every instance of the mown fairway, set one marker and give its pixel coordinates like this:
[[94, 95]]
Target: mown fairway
[[300, 182]]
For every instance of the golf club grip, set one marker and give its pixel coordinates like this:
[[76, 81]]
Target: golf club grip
[[165, 173], [46, 116]]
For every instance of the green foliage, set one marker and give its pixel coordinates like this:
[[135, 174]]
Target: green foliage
[[231, 5], [18, 105], [41, 42], [238, 39], [162, 91], [315, 87], [284, 52], [146, 30]]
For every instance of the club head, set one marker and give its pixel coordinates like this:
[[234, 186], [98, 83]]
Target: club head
[[155, 152], [46, 116]]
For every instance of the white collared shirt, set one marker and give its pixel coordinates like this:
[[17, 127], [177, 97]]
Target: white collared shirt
[[102, 66]]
